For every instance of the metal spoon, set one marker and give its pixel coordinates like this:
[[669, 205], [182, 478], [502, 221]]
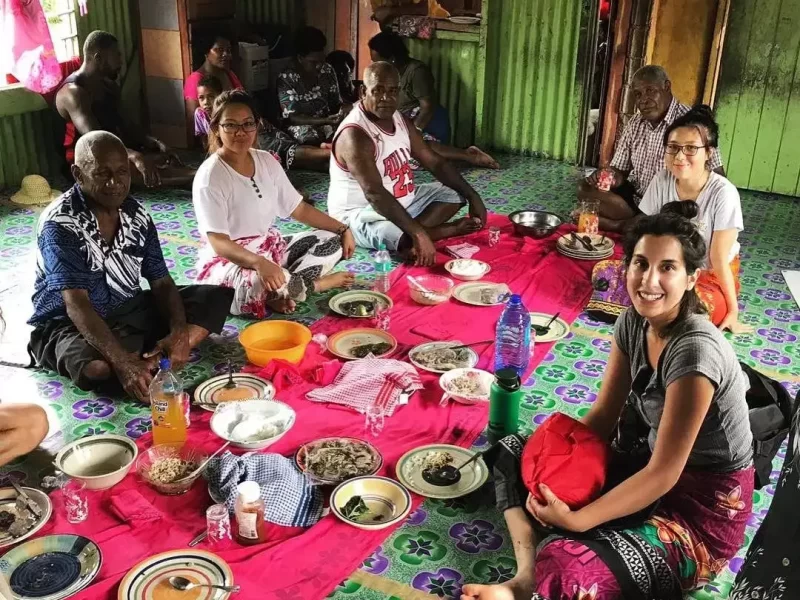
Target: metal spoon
[[543, 329], [471, 345], [184, 585], [448, 474], [230, 384], [202, 465]]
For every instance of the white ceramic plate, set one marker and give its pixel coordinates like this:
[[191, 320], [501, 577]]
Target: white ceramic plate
[[484, 378], [470, 293], [409, 472], [585, 256], [558, 330], [601, 243], [210, 393], [8, 500], [342, 343], [149, 580], [388, 501], [465, 20], [472, 356], [335, 303]]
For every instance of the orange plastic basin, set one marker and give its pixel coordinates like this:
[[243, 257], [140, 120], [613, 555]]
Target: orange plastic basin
[[268, 340]]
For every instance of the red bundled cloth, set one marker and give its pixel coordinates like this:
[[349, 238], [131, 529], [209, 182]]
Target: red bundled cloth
[[569, 458]]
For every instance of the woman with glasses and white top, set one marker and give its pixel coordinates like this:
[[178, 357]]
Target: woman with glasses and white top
[[238, 195], [688, 187]]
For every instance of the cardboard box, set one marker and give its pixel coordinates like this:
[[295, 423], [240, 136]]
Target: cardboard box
[[254, 66]]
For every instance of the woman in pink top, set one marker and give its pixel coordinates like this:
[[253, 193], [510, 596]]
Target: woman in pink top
[[218, 55]]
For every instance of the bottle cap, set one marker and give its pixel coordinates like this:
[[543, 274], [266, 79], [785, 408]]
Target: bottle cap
[[164, 364], [249, 491], [508, 379], [515, 299]]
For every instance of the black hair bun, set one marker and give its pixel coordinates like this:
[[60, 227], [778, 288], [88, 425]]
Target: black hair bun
[[687, 209]]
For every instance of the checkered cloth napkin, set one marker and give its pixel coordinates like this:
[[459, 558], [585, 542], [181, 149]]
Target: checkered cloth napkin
[[289, 498], [368, 381], [464, 250]]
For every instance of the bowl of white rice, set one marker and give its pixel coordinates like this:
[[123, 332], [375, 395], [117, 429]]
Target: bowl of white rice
[[467, 386], [253, 425]]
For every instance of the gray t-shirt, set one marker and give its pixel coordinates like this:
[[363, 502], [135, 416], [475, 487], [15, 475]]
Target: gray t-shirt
[[719, 205], [724, 442]]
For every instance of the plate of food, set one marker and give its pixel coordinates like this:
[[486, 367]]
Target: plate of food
[[411, 465], [149, 580], [235, 387], [51, 567], [481, 293], [467, 386], [359, 304], [467, 269], [440, 357], [353, 344], [330, 461], [547, 329], [585, 246], [18, 519]]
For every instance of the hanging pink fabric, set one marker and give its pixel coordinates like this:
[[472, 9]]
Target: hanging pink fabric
[[27, 47]]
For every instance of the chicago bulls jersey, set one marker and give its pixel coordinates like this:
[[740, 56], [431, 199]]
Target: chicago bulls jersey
[[392, 152]]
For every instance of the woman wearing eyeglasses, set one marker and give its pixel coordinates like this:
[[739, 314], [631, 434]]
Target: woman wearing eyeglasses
[[239, 193], [687, 186]]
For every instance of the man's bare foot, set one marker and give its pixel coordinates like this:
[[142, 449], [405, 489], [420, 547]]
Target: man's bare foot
[[479, 158], [518, 588], [283, 305], [466, 225], [343, 279]]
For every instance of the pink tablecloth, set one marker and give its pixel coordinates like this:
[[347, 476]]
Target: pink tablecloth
[[132, 522]]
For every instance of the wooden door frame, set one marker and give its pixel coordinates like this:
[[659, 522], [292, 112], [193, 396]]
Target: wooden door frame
[[616, 77], [715, 56]]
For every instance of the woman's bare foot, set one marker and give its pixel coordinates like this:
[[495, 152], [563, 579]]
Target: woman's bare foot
[[479, 158], [342, 279], [519, 588], [283, 305]]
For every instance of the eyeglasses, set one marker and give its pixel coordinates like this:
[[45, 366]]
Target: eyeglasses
[[688, 150], [248, 126]]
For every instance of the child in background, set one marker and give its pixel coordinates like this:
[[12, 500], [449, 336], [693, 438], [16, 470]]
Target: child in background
[[207, 91]]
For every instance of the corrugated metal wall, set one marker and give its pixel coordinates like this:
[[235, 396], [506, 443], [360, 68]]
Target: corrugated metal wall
[[274, 12], [533, 95], [455, 66], [758, 95], [27, 144]]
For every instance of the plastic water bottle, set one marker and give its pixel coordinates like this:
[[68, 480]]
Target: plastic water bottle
[[167, 406], [513, 343], [383, 266]]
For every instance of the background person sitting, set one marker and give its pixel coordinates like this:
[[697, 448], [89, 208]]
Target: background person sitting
[[89, 100], [208, 88], [238, 195], [218, 53], [92, 320], [309, 91], [639, 154], [372, 185], [689, 187], [344, 65]]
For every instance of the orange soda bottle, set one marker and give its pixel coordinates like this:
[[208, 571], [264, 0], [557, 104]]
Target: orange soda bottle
[[167, 406]]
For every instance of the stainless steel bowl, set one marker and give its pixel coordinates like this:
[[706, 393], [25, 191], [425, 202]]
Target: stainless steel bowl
[[535, 223]]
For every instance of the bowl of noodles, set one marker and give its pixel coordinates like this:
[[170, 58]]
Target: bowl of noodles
[[467, 386], [330, 461]]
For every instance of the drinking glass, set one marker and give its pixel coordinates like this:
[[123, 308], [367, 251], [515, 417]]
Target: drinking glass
[[218, 524], [588, 218], [494, 236], [76, 501], [382, 317], [374, 419]]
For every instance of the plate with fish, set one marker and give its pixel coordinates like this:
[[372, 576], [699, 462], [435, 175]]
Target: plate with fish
[[439, 357], [330, 461], [17, 520], [353, 344], [411, 465], [216, 391], [359, 304]]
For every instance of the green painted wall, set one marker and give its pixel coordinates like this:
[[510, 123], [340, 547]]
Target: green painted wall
[[27, 144], [533, 96], [455, 64], [758, 97]]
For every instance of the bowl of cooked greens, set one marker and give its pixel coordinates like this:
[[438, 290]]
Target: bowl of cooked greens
[[371, 503], [358, 304], [352, 344], [441, 357], [330, 461]]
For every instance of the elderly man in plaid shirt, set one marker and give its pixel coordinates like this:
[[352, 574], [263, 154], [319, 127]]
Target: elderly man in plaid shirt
[[640, 150]]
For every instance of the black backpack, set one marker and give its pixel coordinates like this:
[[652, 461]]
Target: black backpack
[[771, 412]]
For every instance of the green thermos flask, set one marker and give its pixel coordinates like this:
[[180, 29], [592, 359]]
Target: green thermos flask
[[504, 399]]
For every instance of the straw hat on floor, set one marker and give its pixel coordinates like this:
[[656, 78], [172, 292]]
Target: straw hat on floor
[[35, 190]]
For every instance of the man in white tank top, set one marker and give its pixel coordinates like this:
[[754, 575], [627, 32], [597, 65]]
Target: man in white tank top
[[372, 185]]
